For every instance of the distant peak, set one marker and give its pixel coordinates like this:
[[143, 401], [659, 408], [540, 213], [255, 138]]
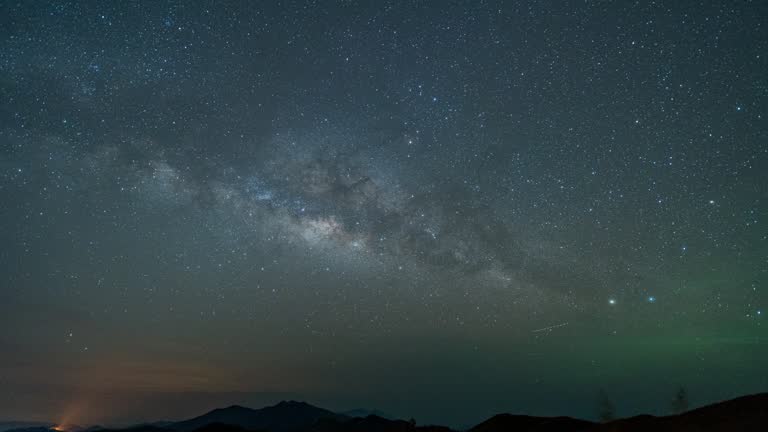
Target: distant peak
[[234, 408], [293, 403]]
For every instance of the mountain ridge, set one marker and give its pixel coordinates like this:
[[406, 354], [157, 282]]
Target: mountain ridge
[[746, 413], [285, 416]]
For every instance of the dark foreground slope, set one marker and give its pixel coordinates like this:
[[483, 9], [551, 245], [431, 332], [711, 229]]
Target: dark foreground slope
[[286, 416], [372, 423], [744, 414], [522, 423]]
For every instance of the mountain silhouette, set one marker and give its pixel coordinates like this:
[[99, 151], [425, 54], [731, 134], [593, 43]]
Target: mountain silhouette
[[371, 423], [15, 425], [286, 416], [744, 414], [141, 428], [523, 423], [362, 412], [33, 429], [221, 427]]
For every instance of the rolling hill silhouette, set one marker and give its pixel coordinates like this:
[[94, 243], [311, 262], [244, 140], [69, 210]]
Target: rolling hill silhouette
[[362, 412], [745, 414], [509, 422], [13, 425], [286, 416]]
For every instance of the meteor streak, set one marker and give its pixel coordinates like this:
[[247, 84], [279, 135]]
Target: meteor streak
[[552, 327]]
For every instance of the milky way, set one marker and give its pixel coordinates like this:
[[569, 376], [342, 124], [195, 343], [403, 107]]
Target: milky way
[[440, 211]]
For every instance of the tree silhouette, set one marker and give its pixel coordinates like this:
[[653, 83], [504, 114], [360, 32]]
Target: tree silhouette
[[606, 410], [680, 402]]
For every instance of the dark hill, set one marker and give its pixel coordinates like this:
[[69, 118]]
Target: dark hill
[[522, 423], [140, 428], [16, 425], [744, 414], [286, 416], [362, 424], [221, 427], [372, 423], [32, 429], [362, 412]]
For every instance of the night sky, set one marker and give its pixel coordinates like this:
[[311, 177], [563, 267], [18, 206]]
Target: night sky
[[442, 210]]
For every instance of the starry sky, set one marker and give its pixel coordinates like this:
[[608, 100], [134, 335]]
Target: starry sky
[[442, 210]]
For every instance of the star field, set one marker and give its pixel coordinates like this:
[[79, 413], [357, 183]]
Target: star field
[[439, 210]]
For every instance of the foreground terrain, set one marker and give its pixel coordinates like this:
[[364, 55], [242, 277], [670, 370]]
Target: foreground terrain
[[747, 413]]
